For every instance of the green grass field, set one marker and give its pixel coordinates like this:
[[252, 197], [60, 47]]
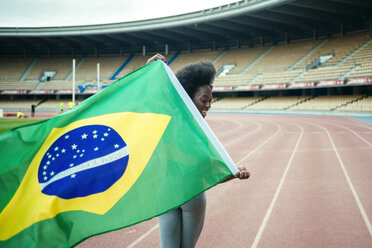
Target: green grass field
[[6, 124]]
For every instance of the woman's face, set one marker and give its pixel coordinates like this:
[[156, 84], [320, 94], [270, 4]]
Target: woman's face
[[202, 99]]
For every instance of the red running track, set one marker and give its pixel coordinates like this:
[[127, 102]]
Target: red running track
[[310, 186]]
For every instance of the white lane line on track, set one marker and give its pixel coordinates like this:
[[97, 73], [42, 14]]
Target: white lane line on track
[[356, 197], [269, 210], [143, 236], [231, 130], [262, 144], [354, 122], [221, 124], [356, 134], [361, 123], [259, 126]]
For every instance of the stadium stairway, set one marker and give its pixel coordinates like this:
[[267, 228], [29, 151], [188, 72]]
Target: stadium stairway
[[308, 54], [28, 70], [299, 76], [216, 99], [256, 60], [79, 63], [349, 102], [173, 58], [219, 56], [255, 102], [349, 72], [258, 76], [126, 62], [355, 51], [39, 85], [300, 102]]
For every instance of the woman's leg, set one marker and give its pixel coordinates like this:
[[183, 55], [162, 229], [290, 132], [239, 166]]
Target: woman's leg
[[170, 225], [193, 213]]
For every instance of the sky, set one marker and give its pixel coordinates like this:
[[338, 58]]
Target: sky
[[46, 13]]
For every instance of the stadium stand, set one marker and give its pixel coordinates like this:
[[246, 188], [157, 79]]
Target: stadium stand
[[325, 73], [278, 77], [14, 105], [108, 64], [185, 58], [278, 103], [25, 105], [327, 103], [240, 58], [60, 64], [282, 63], [338, 46], [60, 85], [286, 64], [16, 85], [362, 60], [234, 80], [235, 102], [11, 69], [289, 63], [282, 56], [137, 61], [363, 104]]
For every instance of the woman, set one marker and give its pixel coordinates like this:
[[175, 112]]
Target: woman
[[181, 227]]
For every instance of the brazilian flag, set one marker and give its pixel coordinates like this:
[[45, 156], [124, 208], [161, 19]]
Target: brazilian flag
[[129, 153]]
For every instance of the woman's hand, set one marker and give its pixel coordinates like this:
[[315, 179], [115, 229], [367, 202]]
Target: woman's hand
[[243, 173], [156, 57]]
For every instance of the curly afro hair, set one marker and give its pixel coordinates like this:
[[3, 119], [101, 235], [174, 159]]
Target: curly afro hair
[[193, 76]]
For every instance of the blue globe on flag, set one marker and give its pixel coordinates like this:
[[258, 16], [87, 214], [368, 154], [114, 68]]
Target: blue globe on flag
[[84, 161]]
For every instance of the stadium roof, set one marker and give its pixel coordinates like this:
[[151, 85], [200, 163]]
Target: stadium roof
[[246, 22]]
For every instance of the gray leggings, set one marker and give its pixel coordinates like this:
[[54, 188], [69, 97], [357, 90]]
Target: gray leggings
[[181, 227]]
